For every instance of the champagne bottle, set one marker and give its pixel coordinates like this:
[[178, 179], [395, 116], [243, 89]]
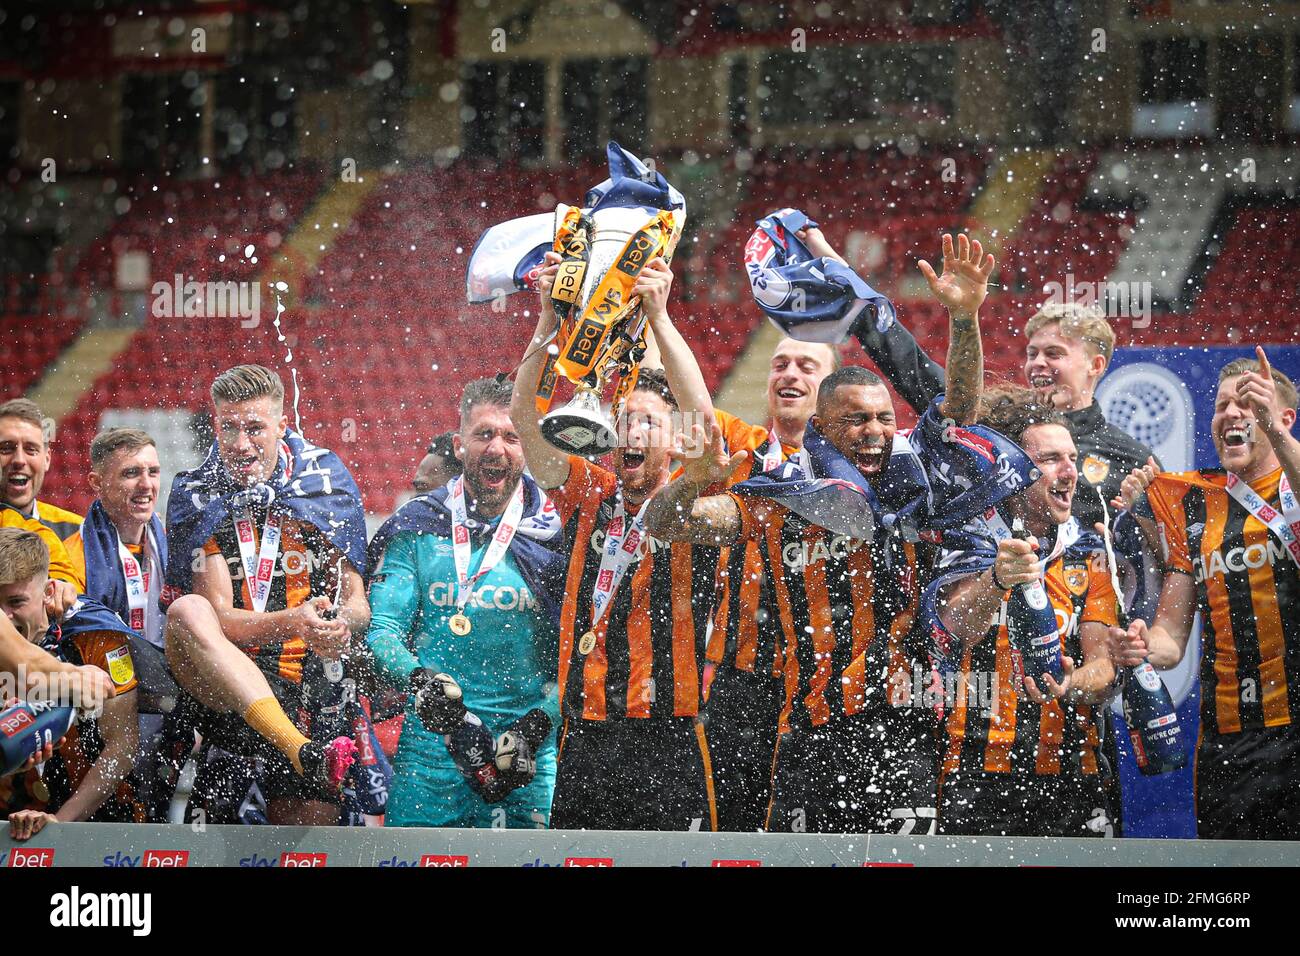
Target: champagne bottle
[[1152, 719], [1031, 627]]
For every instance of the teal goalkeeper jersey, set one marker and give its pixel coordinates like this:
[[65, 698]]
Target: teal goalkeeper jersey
[[505, 665]]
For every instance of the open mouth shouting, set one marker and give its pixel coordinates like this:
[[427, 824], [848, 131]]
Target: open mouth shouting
[[869, 459], [1061, 496], [633, 461], [142, 503], [495, 476], [1237, 435]]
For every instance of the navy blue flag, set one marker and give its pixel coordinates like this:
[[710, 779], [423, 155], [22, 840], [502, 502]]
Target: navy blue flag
[[810, 298], [939, 476], [310, 484], [632, 184], [105, 580], [821, 486], [534, 546]]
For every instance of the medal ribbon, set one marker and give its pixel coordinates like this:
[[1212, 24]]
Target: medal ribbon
[[136, 573], [259, 567], [460, 539], [1286, 525], [621, 544]]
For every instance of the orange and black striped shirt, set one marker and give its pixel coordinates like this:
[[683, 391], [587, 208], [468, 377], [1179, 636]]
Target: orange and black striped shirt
[[650, 644], [303, 569], [991, 729], [746, 630], [846, 610], [1248, 593]]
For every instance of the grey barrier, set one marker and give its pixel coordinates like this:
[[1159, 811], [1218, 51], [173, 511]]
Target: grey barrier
[[149, 845]]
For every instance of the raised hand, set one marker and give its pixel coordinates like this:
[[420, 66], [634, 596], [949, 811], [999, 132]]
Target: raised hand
[[704, 458], [818, 246], [1259, 391], [1135, 486], [653, 286], [965, 279], [546, 282]]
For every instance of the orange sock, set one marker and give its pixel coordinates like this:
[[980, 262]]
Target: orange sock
[[268, 718]]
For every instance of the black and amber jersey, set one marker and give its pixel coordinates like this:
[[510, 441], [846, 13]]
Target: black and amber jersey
[[649, 648], [992, 729], [305, 568], [746, 630], [1248, 593], [846, 610]]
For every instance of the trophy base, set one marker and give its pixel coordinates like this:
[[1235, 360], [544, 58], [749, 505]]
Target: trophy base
[[578, 431]]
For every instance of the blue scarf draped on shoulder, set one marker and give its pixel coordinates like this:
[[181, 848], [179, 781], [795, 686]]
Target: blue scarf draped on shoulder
[[105, 580], [310, 484], [535, 546], [970, 550], [939, 476]]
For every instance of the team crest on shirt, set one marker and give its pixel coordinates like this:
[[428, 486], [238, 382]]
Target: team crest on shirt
[[1095, 469], [1076, 579]]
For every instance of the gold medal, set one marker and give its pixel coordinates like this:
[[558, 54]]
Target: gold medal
[[41, 790], [587, 643], [460, 625]]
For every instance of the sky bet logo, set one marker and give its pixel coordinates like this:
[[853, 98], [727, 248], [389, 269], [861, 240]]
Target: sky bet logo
[[428, 859], [151, 859], [287, 859]]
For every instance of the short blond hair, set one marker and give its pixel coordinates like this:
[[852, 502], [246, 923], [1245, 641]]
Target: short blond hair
[[245, 382], [1087, 323], [23, 556], [24, 409]]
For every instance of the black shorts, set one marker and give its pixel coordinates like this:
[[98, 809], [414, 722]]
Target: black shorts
[[277, 778], [870, 773], [1247, 784], [633, 774], [975, 803], [740, 720]]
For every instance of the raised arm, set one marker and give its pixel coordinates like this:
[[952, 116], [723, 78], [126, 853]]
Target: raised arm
[[549, 466], [678, 513], [962, 288], [914, 375], [679, 364], [1275, 419]]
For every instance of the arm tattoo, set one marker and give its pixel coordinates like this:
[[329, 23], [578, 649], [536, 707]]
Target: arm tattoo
[[965, 369], [677, 513]]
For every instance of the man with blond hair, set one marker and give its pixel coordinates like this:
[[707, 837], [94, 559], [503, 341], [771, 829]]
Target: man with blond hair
[[266, 538], [24, 459], [1231, 554]]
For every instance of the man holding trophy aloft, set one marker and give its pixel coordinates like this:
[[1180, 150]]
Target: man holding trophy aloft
[[635, 614]]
